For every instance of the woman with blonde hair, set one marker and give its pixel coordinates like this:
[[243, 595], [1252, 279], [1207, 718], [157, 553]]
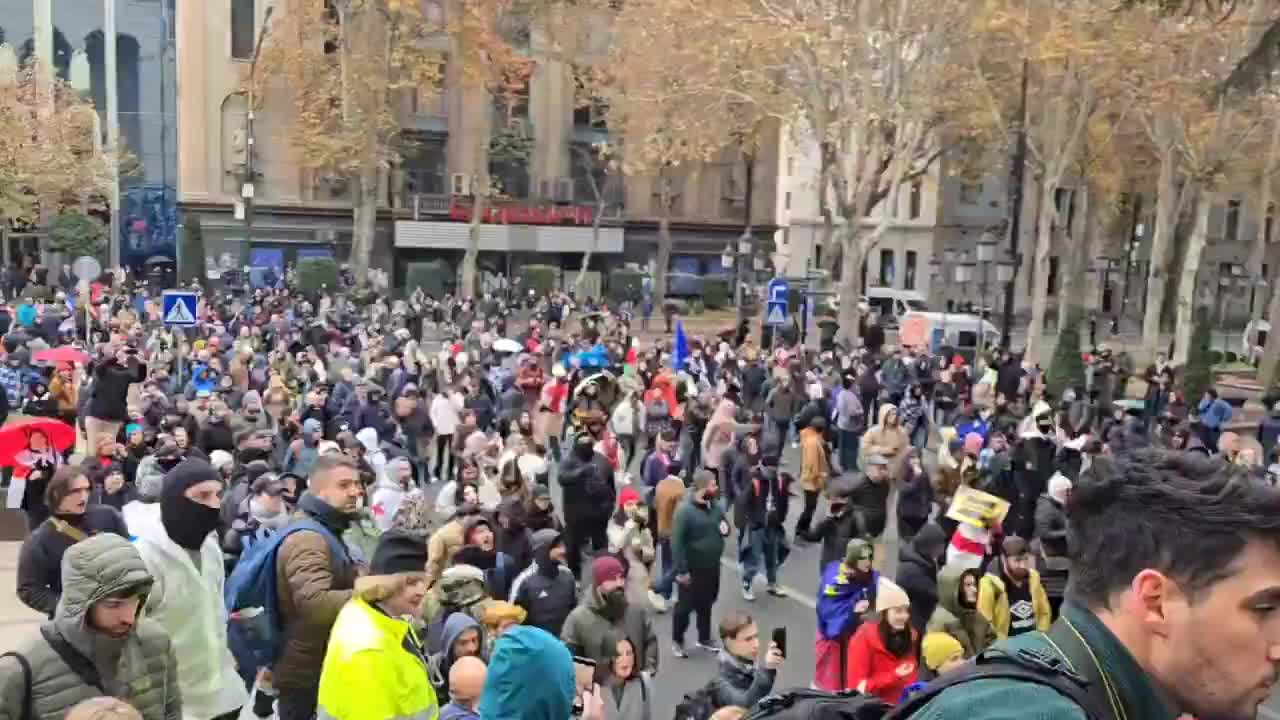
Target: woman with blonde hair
[[375, 666]]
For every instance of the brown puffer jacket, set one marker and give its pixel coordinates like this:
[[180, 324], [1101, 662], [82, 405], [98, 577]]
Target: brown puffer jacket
[[311, 596]]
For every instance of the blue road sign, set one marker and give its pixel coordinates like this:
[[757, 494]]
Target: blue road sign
[[778, 289], [775, 312], [179, 309]]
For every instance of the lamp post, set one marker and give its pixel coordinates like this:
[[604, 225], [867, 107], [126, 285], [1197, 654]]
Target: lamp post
[[247, 190]]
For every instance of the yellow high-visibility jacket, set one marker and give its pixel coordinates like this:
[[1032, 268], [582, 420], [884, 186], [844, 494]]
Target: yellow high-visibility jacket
[[369, 675]]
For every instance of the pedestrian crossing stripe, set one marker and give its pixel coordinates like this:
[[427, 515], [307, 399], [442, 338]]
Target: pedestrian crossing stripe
[[179, 315], [776, 316]]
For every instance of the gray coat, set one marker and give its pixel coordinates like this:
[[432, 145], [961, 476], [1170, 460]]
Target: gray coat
[[140, 668]]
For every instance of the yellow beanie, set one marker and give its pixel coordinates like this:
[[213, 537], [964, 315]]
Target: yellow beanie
[[939, 647]]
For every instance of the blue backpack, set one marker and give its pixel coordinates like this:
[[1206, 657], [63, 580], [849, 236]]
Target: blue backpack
[[255, 629]]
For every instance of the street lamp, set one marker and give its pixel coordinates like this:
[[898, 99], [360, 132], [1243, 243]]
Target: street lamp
[[250, 141], [726, 256]]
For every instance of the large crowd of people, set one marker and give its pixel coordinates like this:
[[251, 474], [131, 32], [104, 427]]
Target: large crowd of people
[[336, 505]]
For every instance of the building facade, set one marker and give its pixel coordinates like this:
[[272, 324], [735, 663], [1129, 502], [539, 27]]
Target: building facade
[[71, 32], [548, 205]]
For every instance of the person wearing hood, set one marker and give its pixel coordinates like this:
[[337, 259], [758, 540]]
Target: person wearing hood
[[760, 516], [390, 491], [592, 627], [252, 415], [886, 438], [312, 584], [99, 622], [514, 539], [39, 575], [186, 597], [1051, 538], [263, 512], [1010, 595], [305, 449], [546, 589], [881, 659], [718, 437], [376, 666], [842, 523], [479, 550], [918, 572], [957, 611], [530, 676], [846, 595], [631, 539], [115, 491], [743, 681], [463, 636], [216, 433], [1033, 465], [589, 497]]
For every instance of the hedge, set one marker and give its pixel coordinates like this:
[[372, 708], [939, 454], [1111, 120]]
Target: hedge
[[542, 279], [625, 284], [716, 292], [317, 272], [434, 277]]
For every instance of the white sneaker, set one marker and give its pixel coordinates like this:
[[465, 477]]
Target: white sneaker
[[658, 602], [747, 594]]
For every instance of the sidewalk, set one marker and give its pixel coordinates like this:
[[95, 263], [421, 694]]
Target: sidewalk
[[17, 621]]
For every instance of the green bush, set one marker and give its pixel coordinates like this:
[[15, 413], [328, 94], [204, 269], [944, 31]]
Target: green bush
[[1067, 368], [716, 293], [1230, 357], [624, 284], [191, 255], [1198, 376], [317, 272], [1215, 357], [541, 278], [76, 234], [434, 277]]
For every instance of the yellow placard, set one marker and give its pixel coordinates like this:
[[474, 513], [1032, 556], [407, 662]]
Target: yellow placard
[[977, 508]]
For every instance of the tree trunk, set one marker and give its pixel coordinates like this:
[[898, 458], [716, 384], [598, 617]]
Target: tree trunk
[[1040, 270], [595, 243], [663, 260], [467, 270], [1259, 253], [1187, 282], [364, 217], [1270, 361], [1072, 274], [1167, 202], [851, 259]]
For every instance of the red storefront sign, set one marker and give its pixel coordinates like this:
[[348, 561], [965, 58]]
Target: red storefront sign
[[526, 214]]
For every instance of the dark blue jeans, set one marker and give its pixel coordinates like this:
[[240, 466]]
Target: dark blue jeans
[[761, 549], [850, 442], [664, 584]]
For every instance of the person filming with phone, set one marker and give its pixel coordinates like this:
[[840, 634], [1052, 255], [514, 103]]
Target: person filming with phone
[[743, 681]]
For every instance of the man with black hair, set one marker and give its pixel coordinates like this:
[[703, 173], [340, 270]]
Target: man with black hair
[[1173, 606]]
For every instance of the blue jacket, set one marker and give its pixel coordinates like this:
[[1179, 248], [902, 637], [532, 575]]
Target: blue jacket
[[1215, 413], [530, 677]]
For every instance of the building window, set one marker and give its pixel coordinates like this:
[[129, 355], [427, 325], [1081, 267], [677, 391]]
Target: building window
[[1053, 274], [914, 207], [1232, 231], [791, 165], [909, 272], [244, 20], [970, 193], [886, 268], [787, 200]]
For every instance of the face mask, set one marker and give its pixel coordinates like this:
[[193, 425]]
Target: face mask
[[187, 521]]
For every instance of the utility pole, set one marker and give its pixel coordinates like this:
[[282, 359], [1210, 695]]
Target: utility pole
[[250, 144], [745, 249], [1017, 171], [113, 127]]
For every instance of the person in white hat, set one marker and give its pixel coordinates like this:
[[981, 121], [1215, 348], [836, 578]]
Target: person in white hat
[[881, 658]]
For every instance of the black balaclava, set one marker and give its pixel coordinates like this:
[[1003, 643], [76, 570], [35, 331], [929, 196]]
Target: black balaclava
[[187, 521], [584, 447]]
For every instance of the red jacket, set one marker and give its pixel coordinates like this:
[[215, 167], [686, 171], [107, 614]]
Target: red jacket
[[885, 674]]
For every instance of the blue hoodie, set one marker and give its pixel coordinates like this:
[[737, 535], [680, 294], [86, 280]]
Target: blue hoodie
[[530, 677]]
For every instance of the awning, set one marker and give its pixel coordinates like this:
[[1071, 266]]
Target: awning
[[506, 238]]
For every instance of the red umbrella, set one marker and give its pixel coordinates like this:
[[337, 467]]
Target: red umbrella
[[15, 436], [64, 354]]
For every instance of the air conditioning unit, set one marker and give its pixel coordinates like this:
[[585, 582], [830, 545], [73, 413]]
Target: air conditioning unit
[[564, 191], [460, 184], [547, 189]]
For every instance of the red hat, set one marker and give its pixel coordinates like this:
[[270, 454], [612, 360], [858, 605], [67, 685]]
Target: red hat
[[606, 568], [628, 495]]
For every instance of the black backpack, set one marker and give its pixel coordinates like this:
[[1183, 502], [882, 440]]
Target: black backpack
[[698, 704], [1025, 665]]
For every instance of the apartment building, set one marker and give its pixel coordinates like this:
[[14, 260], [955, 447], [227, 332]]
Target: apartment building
[[548, 206]]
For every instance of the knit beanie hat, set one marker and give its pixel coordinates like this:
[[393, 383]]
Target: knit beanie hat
[[973, 443], [606, 568], [628, 495], [939, 647], [857, 549], [889, 595], [399, 552]]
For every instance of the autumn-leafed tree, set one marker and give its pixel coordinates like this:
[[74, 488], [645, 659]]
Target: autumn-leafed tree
[[347, 65], [49, 158]]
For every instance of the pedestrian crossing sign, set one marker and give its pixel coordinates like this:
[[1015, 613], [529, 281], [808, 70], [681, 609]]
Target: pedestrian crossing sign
[[179, 309], [776, 313]]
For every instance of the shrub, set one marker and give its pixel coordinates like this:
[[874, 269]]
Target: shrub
[[1067, 368], [625, 284], [76, 234], [1198, 376], [541, 278], [317, 272], [715, 292]]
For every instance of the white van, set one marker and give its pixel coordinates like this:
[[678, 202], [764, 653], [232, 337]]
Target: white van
[[958, 332], [890, 305]]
